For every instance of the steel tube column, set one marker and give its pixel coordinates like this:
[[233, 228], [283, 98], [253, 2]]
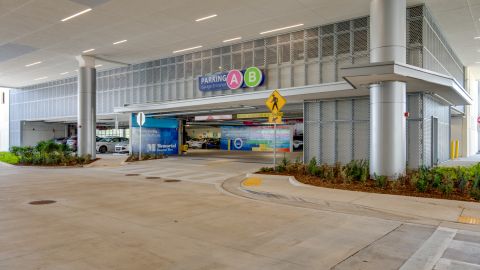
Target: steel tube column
[[388, 99], [87, 121]]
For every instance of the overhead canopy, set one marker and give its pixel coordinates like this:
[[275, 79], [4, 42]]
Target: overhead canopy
[[417, 79]]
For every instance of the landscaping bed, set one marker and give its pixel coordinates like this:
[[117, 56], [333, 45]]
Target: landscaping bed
[[133, 158], [454, 183], [45, 153]]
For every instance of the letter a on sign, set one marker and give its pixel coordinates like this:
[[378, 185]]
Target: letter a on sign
[[275, 102]]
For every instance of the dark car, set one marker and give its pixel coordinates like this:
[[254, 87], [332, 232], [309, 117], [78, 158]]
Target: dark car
[[212, 143]]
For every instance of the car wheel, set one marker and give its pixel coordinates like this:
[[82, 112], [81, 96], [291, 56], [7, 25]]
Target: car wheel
[[102, 149]]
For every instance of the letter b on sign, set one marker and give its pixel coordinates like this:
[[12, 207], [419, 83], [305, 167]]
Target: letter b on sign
[[253, 77]]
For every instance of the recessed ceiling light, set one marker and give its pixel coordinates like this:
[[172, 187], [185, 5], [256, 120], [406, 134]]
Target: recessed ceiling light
[[232, 39], [280, 29], [63, 73], [41, 78], [33, 64], [206, 18], [119, 42], [98, 66], [76, 14], [76, 70], [476, 37], [89, 50], [188, 49]]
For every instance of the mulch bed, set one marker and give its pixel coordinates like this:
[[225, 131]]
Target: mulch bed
[[394, 188]]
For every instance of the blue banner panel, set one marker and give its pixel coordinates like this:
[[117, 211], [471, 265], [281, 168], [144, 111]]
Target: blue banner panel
[[213, 82], [255, 138], [159, 136]]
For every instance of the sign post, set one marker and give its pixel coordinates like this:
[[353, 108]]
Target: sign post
[[140, 122], [275, 103]]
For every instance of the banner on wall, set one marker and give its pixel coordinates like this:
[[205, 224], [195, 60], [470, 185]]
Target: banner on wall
[[159, 136], [255, 138], [231, 80]]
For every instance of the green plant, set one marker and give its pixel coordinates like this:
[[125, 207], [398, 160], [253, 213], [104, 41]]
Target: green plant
[[312, 167], [9, 158], [283, 165], [357, 170], [381, 181], [446, 187]]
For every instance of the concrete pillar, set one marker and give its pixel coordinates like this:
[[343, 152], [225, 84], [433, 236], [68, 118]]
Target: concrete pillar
[[388, 99], [87, 121]]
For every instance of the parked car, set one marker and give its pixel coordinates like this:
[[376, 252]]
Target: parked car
[[61, 140], [72, 143], [107, 144], [298, 143], [196, 143], [122, 147], [212, 143]]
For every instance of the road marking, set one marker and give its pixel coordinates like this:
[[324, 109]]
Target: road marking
[[446, 264], [469, 220], [252, 181], [431, 251]]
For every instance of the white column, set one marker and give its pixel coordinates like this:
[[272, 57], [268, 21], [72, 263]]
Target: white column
[[388, 99], [87, 121]]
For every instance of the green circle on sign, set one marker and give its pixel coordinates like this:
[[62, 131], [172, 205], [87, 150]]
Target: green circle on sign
[[253, 77]]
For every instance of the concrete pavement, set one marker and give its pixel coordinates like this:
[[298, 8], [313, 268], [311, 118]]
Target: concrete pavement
[[104, 219]]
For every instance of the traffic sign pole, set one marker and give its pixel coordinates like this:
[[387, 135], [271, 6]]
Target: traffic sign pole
[[275, 145], [140, 145]]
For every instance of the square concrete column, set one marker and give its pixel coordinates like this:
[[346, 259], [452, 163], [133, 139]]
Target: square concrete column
[[86, 118]]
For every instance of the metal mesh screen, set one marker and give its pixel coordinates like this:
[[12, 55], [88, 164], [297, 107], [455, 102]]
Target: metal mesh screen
[[339, 130]]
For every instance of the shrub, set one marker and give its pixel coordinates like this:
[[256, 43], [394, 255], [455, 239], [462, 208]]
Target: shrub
[[312, 167], [357, 170], [447, 187], [381, 181], [9, 158], [266, 169], [283, 165]]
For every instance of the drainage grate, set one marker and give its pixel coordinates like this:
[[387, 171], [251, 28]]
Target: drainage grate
[[132, 174], [40, 202], [153, 177], [171, 180]]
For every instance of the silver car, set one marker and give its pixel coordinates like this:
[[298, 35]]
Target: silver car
[[107, 144]]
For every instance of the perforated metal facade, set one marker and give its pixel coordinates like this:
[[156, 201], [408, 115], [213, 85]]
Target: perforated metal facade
[[305, 57], [339, 130]]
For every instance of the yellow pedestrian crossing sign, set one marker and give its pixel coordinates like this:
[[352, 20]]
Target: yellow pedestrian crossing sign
[[275, 118], [275, 102]]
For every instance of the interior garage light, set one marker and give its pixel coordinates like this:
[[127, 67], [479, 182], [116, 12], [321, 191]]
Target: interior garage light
[[89, 50], [232, 39], [98, 66], [280, 29], [63, 73], [188, 49], [76, 14], [33, 64], [41, 78], [119, 42], [206, 18], [477, 37]]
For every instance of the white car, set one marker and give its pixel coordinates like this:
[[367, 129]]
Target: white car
[[122, 147], [107, 144], [196, 143]]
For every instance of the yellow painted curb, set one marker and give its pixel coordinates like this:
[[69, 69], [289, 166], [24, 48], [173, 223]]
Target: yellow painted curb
[[252, 181], [469, 220]]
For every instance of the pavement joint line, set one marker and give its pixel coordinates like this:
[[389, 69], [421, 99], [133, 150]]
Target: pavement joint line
[[367, 246], [431, 251]]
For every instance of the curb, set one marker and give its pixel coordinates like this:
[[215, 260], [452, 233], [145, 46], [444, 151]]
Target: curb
[[6, 164], [294, 182]]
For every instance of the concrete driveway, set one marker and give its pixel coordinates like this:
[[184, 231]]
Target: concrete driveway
[[135, 217]]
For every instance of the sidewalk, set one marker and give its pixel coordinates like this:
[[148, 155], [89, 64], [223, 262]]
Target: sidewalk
[[404, 208]]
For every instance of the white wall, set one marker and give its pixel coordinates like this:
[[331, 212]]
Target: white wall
[[34, 132], [4, 119], [469, 141]]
